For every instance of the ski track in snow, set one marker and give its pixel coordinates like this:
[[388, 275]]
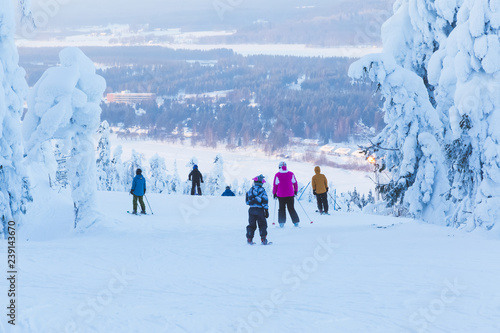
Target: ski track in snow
[[187, 268]]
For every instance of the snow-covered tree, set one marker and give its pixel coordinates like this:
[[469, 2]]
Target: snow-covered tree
[[192, 162], [370, 199], [466, 73], [439, 74], [216, 180], [61, 170], [410, 145], [363, 133], [235, 188], [175, 181], [355, 199], [64, 105], [104, 166], [118, 171], [364, 202], [14, 183], [132, 165], [158, 174], [246, 185]]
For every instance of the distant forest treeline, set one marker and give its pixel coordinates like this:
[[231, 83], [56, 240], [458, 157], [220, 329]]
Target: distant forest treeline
[[263, 105]]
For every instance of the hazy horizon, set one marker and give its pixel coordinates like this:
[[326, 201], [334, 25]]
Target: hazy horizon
[[224, 14]]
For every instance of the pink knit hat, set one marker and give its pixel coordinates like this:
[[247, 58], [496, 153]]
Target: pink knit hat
[[259, 179]]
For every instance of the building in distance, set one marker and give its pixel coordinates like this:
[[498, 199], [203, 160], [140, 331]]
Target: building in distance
[[127, 97]]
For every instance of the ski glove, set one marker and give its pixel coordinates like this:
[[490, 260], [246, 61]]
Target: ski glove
[[314, 192], [266, 213], [132, 192], [327, 189], [295, 193], [275, 196]]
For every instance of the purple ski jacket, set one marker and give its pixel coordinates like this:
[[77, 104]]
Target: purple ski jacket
[[285, 184]]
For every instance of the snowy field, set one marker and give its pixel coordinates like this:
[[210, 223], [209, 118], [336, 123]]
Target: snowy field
[[99, 37], [187, 268], [295, 50]]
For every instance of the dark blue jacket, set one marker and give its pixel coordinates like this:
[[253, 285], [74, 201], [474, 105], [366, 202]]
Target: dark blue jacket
[[138, 186], [257, 197], [228, 193], [195, 176]]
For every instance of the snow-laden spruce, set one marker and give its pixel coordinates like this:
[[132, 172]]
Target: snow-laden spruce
[[64, 105], [466, 73], [175, 181], [216, 180], [104, 165], [439, 75], [118, 170], [14, 183], [158, 174], [135, 162]]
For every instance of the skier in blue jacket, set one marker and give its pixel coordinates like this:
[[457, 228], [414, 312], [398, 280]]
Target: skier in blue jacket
[[228, 192], [138, 190], [258, 212]]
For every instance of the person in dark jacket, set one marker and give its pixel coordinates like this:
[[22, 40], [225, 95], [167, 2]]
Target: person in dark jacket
[[138, 190], [196, 177], [258, 212], [228, 192]]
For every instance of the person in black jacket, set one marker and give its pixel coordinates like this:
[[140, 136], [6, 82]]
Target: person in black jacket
[[196, 177]]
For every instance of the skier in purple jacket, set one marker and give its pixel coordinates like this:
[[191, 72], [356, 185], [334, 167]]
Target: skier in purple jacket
[[285, 188]]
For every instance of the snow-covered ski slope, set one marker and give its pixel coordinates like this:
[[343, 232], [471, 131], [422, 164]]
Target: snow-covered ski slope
[[187, 268]]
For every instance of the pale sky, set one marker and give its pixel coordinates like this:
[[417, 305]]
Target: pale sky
[[170, 13]]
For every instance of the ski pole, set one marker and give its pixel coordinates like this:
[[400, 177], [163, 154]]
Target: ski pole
[[148, 204], [305, 188], [305, 211], [335, 204]]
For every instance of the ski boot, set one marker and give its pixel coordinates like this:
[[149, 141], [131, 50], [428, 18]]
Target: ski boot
[[296, 225], [282, 225], [250, 241]]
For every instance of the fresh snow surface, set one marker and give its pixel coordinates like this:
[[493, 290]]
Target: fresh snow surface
[[187, 268]]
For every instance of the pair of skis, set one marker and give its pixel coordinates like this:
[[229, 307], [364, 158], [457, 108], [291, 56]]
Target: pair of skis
[[137, 214], [253, 243]]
